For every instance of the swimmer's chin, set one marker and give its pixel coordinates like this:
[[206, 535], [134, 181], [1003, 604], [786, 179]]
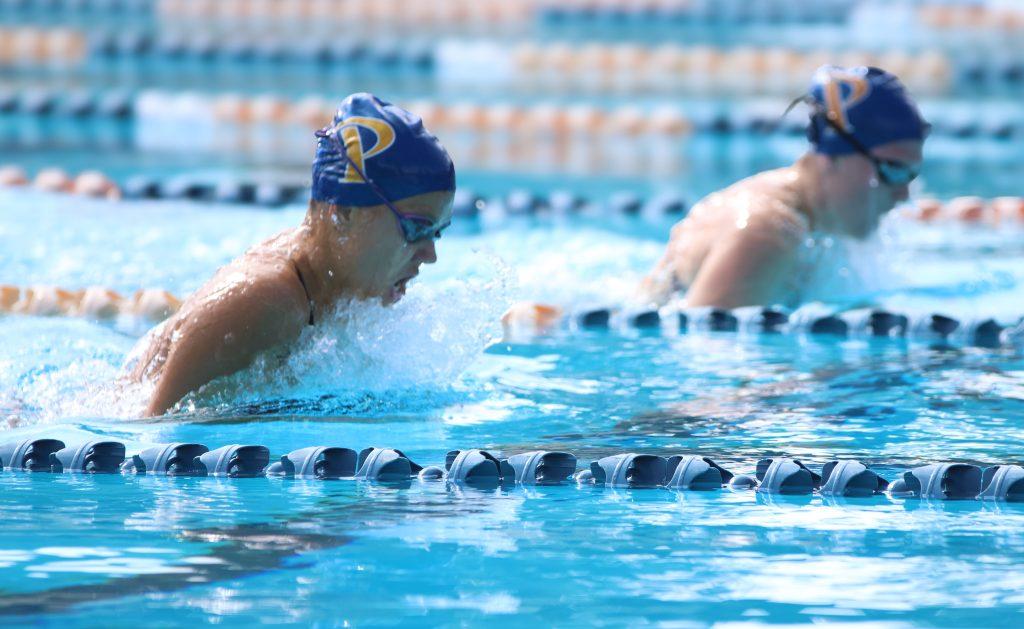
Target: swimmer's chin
[[396, 292]]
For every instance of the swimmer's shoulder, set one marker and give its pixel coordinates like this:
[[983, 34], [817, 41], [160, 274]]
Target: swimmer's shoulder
[[278, 284], [780, 227], [769, 184], [771, 198], [255, 290], [764, 198]]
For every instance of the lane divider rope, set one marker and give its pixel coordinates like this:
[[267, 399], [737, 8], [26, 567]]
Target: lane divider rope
[[480, 468]]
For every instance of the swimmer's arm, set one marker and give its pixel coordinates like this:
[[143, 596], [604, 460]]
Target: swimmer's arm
[[228, 335], [667, 276], [748, 269], [659, 286]]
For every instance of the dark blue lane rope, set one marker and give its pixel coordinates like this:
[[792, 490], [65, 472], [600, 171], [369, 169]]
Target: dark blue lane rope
[[683, 472]]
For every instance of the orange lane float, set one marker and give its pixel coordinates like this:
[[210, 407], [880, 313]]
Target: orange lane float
[[53, 180], [99, 303], [698, 70], [154, 304], [96, 303], [92, 183], [1009, 208], [30, 46], [543, 137], [12, 176], [89, 183], [533, 317], [9, 295], [969, 210]]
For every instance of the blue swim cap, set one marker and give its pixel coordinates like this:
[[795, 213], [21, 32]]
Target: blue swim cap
[[868, 103], [389, 145]]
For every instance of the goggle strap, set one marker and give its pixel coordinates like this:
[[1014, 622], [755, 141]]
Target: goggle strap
[[843, 133], [326, 133]]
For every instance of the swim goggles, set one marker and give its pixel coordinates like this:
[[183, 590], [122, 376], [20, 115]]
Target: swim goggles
[[414, 228], [890, 171]]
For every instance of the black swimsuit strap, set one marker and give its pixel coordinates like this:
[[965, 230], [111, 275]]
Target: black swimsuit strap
[[306, 290]]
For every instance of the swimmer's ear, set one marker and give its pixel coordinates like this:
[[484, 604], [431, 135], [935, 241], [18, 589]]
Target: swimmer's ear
[[344, 214], [329, 210]]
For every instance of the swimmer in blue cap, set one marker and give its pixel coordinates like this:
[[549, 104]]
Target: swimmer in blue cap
[[382, 195], [742, 246]]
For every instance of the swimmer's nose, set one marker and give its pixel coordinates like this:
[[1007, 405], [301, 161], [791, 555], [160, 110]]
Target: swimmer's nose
[[427, 251]]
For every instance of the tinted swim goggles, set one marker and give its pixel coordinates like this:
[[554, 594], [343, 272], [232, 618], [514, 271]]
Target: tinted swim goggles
[[414, 228], [890, 171]]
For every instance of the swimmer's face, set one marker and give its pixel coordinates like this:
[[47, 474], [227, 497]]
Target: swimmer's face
[[385, 262], [856, 197]]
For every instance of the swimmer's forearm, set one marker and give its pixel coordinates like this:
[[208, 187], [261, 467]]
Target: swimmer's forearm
[[194, 363], [746, 272], [730, 288], [161, 401]]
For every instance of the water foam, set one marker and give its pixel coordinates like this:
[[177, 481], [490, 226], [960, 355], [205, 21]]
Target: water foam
[[850, 271], [362, 357], [59, 368], [369, 358]]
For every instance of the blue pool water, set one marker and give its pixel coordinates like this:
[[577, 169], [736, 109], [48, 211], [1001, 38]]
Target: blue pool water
[[432, 374]]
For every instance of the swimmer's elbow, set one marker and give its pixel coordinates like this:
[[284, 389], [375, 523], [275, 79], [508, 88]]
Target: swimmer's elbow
[[159, 405]]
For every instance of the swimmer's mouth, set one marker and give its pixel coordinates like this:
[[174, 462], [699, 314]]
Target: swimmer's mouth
[[401, 284]]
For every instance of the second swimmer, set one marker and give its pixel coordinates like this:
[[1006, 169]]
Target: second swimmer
[[743, 246]]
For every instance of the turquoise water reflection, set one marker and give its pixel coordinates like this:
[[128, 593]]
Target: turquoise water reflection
[[83, 550]]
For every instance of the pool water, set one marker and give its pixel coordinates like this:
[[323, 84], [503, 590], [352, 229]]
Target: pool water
[[433, 374]]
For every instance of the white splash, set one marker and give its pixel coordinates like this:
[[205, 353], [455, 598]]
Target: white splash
[[847, 271], [363, 350], [63, 369]]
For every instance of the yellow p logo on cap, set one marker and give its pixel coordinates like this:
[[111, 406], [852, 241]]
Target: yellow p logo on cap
[[843, 90], [383, 133]]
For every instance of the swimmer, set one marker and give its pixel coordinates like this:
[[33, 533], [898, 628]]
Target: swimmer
[[741, 246], [382, 194]]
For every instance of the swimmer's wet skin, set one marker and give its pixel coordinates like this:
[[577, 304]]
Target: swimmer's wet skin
[[382, 193], [743, 246]]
